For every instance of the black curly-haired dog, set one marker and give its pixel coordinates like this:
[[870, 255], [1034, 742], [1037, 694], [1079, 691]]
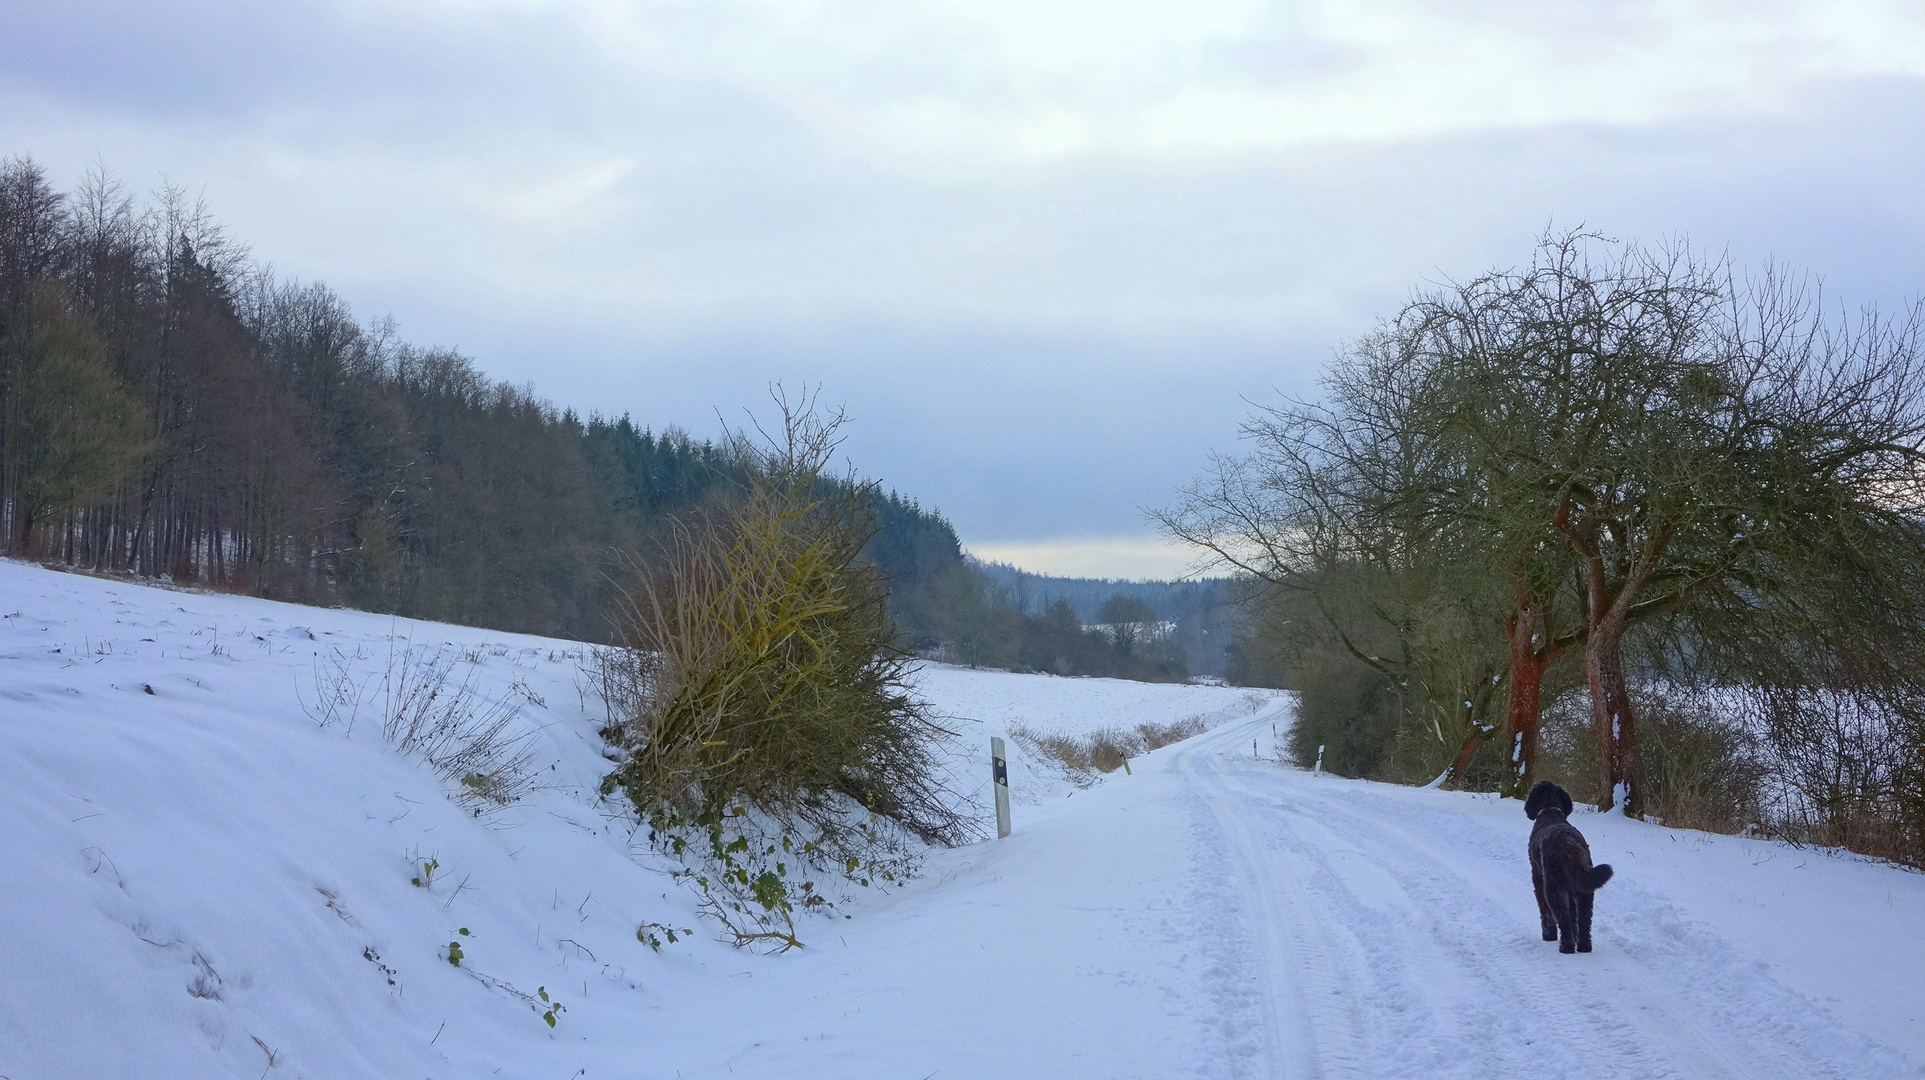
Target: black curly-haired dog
[[1561, 869]]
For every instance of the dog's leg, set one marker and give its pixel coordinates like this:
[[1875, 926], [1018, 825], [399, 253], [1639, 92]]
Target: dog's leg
[[1548, 924], [1584, 921], [1565, 906]]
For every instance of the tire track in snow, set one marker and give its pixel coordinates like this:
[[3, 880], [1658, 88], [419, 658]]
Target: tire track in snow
[[1345, 902], [1310, 1024], [1685, 1047], [1693, 1018], [1448, 923]]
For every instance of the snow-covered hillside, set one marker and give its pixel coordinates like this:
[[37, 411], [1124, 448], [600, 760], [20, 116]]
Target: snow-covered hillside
[[203, 881]]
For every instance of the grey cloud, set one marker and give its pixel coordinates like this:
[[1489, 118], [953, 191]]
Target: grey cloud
[[1038, 347]]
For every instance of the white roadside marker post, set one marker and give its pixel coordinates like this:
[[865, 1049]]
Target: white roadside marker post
[[999, 769], [1319, 771]]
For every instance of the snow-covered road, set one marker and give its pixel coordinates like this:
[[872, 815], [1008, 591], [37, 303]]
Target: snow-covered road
[[1397, 937], [1217, 914]]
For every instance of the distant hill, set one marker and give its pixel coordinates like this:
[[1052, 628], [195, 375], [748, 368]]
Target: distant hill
[[1202, 610]]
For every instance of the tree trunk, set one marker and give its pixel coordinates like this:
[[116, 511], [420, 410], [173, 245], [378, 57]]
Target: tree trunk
[[1454, 776], [1528, 657], [1613, 717], [1606, 615]]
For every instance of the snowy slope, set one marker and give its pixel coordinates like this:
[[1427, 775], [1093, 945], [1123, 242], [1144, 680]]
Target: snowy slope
[[203, 882]]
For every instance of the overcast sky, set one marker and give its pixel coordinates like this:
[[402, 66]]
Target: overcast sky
[[1043, 251]]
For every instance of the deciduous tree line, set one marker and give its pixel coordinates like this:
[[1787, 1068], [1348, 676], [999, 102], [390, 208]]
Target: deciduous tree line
[[1636, 479], [985, 622]]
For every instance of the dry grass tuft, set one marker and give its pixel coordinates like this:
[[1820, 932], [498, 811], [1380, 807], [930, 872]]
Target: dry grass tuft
[[1106, 749], [432, 707]]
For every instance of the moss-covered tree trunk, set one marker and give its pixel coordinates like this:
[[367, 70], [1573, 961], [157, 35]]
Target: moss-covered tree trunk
[[1608, 607], [1530, 654], [1613, 718]]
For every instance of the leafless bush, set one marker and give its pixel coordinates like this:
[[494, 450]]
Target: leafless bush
[[1808, 765], [619, 679], [337, 691], [1845, 770], [1704, 766]]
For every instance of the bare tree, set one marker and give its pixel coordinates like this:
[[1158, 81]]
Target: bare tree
[[1343, 508], [1606, 437]]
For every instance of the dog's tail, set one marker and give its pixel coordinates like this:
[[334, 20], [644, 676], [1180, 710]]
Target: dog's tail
[[1600, 874]]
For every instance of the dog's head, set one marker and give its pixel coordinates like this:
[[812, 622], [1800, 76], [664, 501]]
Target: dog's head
[[1547, 796]]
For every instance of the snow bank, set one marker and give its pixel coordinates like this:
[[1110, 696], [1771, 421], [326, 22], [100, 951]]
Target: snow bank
[[203, 881], [206, 882]]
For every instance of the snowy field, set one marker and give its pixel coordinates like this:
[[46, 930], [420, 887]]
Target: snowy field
[[979, 704], [204, 882]]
